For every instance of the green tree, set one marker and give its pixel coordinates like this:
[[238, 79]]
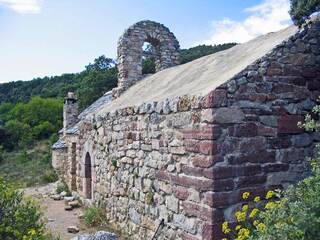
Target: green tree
[[26, 122], [20, 218], [188, 55], [99, 78], [148, 66], [300, 10]]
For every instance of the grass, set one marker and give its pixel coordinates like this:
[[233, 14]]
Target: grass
[[28, 167]]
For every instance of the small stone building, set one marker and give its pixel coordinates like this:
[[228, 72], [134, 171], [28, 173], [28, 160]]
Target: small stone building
[[174, 151]]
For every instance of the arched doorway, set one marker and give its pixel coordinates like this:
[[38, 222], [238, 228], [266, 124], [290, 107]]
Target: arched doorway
[[87, 176]]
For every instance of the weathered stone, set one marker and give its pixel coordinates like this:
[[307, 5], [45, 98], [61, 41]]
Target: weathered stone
[[172, 203], [271, 121], [301, 140], [228, 115], [289, 124], [74, 204], [73, 229], [134, 216]]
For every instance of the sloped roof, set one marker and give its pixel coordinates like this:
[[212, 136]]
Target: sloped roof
[[106, 98], [59, 144], [200, 76]]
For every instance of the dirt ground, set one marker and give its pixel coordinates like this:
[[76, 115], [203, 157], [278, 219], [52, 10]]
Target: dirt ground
[[56, 217]]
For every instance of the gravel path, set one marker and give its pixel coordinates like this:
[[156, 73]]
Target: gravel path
[[56, 217]]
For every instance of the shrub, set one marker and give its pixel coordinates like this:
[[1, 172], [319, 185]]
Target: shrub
[[49, 176], [63, 187], [20, 218], [95, 216], [300, 10]]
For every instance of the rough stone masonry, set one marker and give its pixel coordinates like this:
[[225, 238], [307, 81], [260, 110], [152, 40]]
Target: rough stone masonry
[[187, 160]]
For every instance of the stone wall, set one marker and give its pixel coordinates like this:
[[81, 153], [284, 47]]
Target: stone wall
[[188, 160], [59, 159], [130, 52]]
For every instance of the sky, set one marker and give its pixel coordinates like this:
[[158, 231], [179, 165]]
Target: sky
[[50, 37]]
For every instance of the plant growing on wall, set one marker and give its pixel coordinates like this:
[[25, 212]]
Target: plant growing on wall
[[300, 10]]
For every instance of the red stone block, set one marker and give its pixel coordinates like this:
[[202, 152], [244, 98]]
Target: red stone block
[[206, 161], [204, 133], [212, 231], [162, 175], [186, 236], [288, 124], [207, 147], [221, 199], [192, 171], [216, 98], [181, 192], [207, 214], [192, 182], [191, 145]]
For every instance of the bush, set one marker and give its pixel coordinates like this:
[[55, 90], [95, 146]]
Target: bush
[[63, 187], [49, 176], [95, 216], [20, 218], [301, 10]]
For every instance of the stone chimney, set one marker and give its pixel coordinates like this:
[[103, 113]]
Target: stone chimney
[[70, 111]]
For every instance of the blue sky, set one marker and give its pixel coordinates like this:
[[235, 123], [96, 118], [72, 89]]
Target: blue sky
[[51, 37]]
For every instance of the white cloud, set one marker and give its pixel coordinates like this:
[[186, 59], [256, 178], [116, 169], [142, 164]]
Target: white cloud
[[23, 6], [269, 16]]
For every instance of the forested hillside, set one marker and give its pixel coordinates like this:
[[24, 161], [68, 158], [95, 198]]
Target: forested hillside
[[97, 78]]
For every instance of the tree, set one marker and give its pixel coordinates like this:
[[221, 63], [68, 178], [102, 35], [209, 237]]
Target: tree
[[101, 63], [188, 55], [20, 219], [301, 10], [148, 66]]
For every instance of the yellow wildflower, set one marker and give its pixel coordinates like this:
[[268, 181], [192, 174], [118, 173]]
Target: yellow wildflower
[[224, 239], [261, 227], [225, 228], [243, 234], [238, 227], [32, 232], [253, 213], [245, 195], [269, 194], [255, 222], [270, 205], [257, 199], [240, 216], [245, 208]]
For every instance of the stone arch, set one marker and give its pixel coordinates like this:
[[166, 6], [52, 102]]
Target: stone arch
[[88, 176], [166, 51]]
